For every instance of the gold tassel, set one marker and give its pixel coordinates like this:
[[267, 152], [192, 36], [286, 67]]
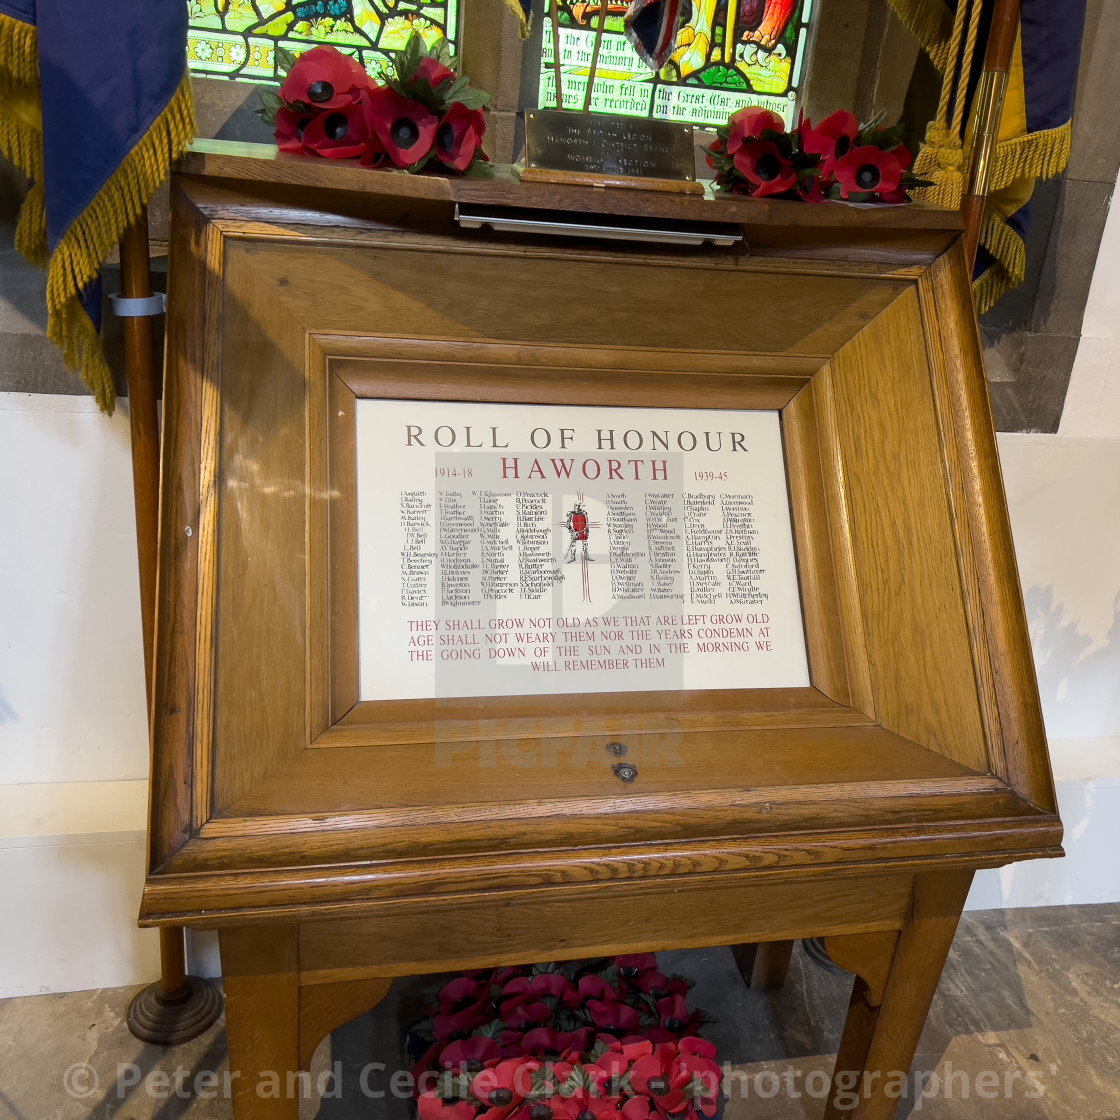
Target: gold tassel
[[77, 259], [19, 49], [941, 162], [941, 159]]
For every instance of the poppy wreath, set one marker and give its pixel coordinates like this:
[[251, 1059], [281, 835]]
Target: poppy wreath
[[608, 1039], [421, 115], [837, 159]]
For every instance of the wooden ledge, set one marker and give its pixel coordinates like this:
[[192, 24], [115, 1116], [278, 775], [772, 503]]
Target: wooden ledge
[[263, 163]]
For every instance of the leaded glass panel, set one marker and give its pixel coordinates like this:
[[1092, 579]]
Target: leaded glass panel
[[237, 38], [729, 53]]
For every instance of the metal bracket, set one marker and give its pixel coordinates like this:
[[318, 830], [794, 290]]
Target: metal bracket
[[137, 307], [563, 224]]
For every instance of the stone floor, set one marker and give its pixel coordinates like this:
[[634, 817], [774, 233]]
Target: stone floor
[[1026, 1024]]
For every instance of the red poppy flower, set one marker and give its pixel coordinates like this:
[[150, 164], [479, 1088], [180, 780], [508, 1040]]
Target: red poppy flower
[[811, 189], [583, 1104], [525, 1012], [433, 72], [469, 1055], [580, 1042], [868, 170], [636, 1108], [696, 1047], [374, 154], [543, 1042], [550, 1108], [766, 172], [505, 1085], [658, 985], [406, 128], [458, 137], [704, 1077], [595, 987], [631, 965], [613, 1017], [325, 78], [290, 127], [545, 985], [750, 124], [623, 1051], [460, 993], [658, 1078], [715, 148], [831, 139], [432, 1107], [510, 1043], [672, 1011], [341, 133]]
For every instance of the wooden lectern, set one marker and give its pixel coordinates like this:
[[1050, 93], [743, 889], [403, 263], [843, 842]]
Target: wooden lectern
[[337, 837]]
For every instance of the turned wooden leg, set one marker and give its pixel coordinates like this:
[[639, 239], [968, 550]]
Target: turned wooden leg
[[897, 976], [763, 964], [260, 970]]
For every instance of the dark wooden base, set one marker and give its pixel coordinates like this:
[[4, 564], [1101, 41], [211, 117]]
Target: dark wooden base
[[168, 1018]]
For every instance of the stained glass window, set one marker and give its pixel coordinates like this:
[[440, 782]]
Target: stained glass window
[[237, 38], [729, 53]]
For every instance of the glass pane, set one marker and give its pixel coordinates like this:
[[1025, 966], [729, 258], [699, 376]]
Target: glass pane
[[719, 65], [237, 38]]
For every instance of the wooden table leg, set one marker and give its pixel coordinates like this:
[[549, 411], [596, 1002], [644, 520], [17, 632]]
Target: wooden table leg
[[274, 1025], [885, 1018], [763, 964], [260, 967]]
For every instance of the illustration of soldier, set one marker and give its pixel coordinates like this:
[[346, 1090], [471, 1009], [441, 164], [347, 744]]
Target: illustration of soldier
[[579, 528]]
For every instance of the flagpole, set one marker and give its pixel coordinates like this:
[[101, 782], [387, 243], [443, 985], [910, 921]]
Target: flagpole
[[177, 1007], [989, 109]]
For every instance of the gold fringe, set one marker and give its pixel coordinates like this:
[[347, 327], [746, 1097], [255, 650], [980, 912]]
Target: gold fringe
[[989, 287], [73, 332], [931, 23], [21, 127], [21, 138], [31, 229], [77, 259], [19, 49], [1009, 269], [1036, 155]]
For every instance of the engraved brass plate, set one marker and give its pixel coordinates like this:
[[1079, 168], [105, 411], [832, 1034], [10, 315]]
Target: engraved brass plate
[[597, 144]]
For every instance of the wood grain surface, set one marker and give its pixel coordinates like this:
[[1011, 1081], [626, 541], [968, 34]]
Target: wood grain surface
[[307, 801]]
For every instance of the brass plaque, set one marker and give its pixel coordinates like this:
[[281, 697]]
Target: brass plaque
[[598, 144]]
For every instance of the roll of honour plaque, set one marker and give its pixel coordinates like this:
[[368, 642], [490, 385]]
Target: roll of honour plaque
[[521, 549]]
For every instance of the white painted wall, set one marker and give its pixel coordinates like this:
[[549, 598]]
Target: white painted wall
[[1063, 492], [73, 739], [73, 744]]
